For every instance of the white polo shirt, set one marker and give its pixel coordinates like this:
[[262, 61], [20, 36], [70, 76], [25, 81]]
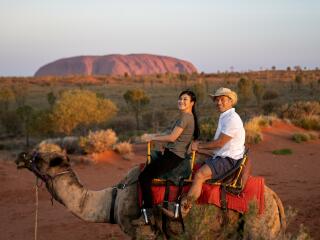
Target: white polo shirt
[[231, 124]]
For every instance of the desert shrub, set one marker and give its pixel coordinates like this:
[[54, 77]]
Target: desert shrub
[[124, 149], [80, 107], [270, 107], [207, 128], [300, 109], [98, 141], [300, 137], [303, 114], [309, 122], [11, 122], [270, 95], [282, 151]]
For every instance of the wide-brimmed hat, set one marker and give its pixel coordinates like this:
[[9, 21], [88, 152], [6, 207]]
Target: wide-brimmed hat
[[225, 92]]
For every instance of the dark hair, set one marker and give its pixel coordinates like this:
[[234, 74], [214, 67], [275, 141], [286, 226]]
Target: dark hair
[[196, 132]]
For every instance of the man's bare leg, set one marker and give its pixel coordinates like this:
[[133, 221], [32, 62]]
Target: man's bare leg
[[203, 174]]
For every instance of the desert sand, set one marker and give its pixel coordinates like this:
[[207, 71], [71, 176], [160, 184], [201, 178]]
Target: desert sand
[[294, 177]]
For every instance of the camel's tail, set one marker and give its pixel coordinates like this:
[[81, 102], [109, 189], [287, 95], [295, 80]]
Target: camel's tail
[[281, 211]]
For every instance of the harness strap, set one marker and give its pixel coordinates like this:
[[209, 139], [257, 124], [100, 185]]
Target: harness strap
[[223, 203], [113, 203]]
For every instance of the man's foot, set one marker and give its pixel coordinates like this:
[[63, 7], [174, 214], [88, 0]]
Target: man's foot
[[186, 204]]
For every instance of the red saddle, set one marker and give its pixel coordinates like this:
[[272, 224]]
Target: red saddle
[[253, 191]]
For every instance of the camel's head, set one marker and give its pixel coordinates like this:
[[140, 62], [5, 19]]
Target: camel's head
[[46, 159]]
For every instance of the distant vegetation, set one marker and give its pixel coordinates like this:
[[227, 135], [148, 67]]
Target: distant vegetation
[[283, 151], [43, 107]]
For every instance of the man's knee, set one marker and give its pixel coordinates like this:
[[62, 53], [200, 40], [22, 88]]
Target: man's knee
[[203, 175], [200, 176]]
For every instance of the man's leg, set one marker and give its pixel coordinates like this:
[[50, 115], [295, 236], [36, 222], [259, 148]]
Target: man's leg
[[203, 174]]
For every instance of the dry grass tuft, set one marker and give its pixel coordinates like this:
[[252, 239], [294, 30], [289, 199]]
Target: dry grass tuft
[[99, 141], [253, 128], [124, 149]]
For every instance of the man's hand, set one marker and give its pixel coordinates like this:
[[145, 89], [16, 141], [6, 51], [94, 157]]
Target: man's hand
[[195, 146]]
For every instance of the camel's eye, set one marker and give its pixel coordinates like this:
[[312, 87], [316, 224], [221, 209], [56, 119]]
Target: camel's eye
[[56, 162]]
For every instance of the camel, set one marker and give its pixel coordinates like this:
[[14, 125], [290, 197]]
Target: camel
[[51, 164]]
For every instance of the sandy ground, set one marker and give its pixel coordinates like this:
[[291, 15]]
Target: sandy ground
[[294, 177]]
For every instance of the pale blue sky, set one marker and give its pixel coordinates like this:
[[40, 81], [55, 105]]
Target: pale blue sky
[[212, 34]]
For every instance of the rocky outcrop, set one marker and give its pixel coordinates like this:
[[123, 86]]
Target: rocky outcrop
[[116, 64]]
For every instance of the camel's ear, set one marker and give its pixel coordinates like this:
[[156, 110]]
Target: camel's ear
[[55, 162]]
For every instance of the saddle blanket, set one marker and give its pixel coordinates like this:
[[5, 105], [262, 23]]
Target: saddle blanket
[[253, 191]]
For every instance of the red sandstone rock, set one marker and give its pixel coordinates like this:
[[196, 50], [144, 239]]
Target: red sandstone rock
[[116, 64]]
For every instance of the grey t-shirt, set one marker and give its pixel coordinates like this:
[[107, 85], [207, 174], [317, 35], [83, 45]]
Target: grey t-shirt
[[181, 145]]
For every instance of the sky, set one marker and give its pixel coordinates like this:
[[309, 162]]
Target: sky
[[215, 35]]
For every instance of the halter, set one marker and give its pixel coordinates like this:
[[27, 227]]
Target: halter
[[46, 178]]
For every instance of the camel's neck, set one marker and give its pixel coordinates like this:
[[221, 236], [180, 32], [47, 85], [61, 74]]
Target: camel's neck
[[91, 206]]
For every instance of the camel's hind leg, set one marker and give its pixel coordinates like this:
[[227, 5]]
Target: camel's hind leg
[[271, 223]]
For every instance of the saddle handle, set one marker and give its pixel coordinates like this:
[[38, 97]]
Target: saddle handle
[[192, 163], [149, 153]]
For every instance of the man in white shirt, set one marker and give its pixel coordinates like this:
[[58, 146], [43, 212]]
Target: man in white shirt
[[224, 150]]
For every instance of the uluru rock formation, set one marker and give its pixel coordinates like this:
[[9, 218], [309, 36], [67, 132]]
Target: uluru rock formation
[[116, 64]]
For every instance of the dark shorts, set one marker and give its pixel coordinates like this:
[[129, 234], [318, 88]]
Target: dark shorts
[[220, 165]]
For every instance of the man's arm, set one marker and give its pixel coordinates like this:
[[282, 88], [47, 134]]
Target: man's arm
[[219, 143]]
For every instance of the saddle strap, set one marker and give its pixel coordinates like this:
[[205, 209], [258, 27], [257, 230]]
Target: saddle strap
[[223, 204], [165, 205], [178, 201]]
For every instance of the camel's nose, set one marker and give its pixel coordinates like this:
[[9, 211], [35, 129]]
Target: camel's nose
[[21, 160]]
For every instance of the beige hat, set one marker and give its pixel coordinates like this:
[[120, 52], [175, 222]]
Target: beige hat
[[226, 92]]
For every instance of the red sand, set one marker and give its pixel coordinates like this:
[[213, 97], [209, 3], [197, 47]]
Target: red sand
[[294, 177]]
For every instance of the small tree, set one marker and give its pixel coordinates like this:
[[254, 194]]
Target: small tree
[[258, 90], [7, 96], [51, 98], [200, 91], [245, 90], [80, 108], [298, 81], [136, 100], [26, 114]]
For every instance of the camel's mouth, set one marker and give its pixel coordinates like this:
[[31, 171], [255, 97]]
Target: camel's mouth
[[21, 160]]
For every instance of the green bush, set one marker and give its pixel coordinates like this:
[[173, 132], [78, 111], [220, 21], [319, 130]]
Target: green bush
[[270, 95], [283, 151]]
